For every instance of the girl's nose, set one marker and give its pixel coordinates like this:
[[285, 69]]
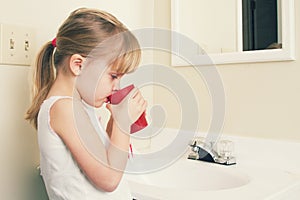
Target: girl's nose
[[116, 85]]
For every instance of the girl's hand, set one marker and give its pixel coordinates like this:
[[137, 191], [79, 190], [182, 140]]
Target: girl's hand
[[128, 110], [137, 105]]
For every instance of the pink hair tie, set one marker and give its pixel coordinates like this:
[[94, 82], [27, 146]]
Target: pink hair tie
[[53, 42]]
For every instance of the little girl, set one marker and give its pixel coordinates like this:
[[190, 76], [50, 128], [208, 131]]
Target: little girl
[[76, 72]]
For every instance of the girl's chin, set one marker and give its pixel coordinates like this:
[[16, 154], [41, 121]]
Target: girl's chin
[[100, 103]]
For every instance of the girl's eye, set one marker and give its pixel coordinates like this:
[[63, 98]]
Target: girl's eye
[[114, 76]]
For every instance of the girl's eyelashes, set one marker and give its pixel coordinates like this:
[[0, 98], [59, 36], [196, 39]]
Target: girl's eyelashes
[[114, 76]]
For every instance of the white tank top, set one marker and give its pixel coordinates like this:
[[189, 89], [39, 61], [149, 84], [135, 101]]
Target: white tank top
[[61, 174]]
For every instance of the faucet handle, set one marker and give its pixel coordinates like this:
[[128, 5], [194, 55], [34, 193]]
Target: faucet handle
[[194, 150], [194, 146], [197, 141], [193, 143], [225, 148]]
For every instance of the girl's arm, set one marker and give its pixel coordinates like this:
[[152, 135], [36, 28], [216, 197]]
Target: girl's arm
[[109, 126], [106, 169], [97, 169]]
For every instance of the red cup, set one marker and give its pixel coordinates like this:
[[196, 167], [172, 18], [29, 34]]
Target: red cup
[[117, 97]]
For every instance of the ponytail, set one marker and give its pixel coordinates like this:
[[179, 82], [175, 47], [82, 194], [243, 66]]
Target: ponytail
[[44, 76]]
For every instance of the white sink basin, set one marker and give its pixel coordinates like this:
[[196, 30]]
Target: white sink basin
[[265, 172], [193, 175]]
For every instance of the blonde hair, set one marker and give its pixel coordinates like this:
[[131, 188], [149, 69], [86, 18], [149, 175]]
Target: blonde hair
[[81, 33]]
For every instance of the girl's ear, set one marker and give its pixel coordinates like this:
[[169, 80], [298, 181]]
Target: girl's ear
[[75, 64]]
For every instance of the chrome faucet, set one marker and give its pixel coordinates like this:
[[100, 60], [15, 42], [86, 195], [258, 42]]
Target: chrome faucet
[[206, 152]]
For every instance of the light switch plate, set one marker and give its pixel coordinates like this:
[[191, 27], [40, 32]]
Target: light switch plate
[[16, 44]]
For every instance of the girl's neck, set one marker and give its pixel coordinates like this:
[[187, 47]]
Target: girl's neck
[[62, 86]]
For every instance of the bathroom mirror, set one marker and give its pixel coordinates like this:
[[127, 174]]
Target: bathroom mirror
[[235, 31]]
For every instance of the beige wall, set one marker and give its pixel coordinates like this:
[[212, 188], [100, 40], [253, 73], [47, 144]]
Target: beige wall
[[18, 145], [262, 99]]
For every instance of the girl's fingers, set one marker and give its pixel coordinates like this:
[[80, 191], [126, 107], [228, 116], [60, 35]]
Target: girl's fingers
[[137, 97], [136, 93], [145, 104]]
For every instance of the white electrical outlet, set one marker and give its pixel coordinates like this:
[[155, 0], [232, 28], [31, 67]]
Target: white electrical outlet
[[16, 44]]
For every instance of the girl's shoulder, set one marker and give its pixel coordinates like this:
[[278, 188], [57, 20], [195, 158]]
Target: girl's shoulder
[[60, 112], [53, 101], [56, 98]]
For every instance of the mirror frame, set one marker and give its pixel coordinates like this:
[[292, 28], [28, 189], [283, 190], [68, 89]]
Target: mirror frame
[[287, 53]]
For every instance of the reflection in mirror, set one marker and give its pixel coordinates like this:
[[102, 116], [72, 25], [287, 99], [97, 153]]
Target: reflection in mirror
[[235, 31], [210, 23], [261, 24]]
